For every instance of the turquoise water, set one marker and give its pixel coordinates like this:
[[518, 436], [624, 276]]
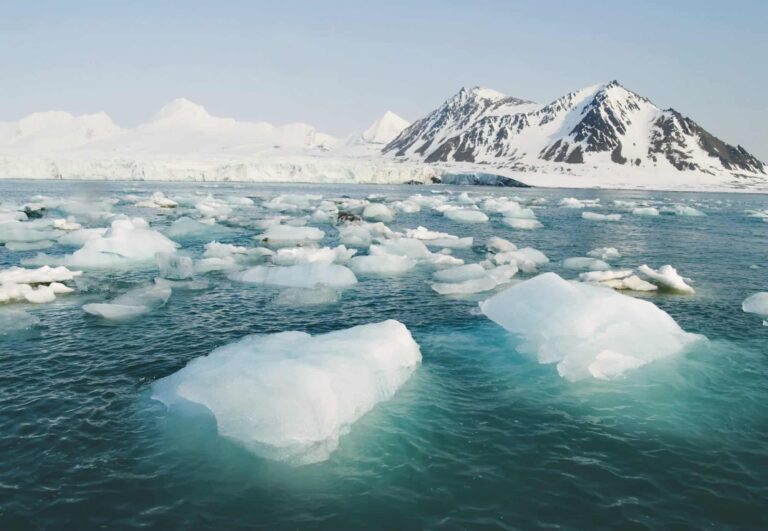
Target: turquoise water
[[480, 436]]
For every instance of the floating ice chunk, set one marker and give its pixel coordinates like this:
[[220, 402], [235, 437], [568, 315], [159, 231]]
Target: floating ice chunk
[[67, 225], [26, 231], [522, 223], [186, 228], [11, 292], [445, 260], [299, 276], [500, 245], [207, 265], [622, 280], [645, 211], [666, 277], [215, 249], [296, 297], [527, 259], [605, 253], [594, 216], [588, 331], [41, 275], [406, 207], [584, 263], [157, 200], [307, 255], [293, 202], [13, 321], [491, 279], [409, 247], [291, 396], [465, 215], [460, 273], [381, 264], [684, 210], [128, 241], [439, 239], [28, 246], [133, 303], [572, 202], [78, 238], [174, 266], [212, 207], [757, 304], [378, 212], [286, 235]]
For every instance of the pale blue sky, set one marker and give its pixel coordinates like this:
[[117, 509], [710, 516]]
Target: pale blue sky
[[339, 64]]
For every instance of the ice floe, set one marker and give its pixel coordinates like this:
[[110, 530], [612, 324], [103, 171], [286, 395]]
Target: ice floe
[[133, 303], [588, 331], [666, 278], [594, 216], [757, 304], [299, 276], [291, 396]]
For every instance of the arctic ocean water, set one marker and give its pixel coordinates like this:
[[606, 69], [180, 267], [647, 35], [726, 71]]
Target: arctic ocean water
[[479, 437]]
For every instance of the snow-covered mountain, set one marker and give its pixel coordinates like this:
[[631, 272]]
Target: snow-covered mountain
[[599, 127], [604, 135], [385, 129]]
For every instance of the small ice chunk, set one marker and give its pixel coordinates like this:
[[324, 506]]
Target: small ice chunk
[[133, 303], [572, 202], [157, 200], [78, 238], [381, 264], [378, 212], [666, 277], [757, 304], [594, 216], [465, 215], [500, 245], [308, 255], [299, 276], [607, 254], [460, 273], [409, 247], [174, 266], [588, 331], [290, 396], [287, 235], [522, 223], [622, 280], [28, 246], [186, 228], [491, 279], [41, 275]]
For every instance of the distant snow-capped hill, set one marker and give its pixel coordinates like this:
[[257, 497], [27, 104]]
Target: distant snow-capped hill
[[603, 125], [42, 131]]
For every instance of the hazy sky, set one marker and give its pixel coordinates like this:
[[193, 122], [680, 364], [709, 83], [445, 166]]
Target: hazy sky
[[338, 65]]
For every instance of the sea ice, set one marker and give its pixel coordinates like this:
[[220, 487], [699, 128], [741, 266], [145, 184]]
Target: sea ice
[[645, 211], [666, 277], [287, 235], [583, 263], [465, 215], [299, 276], [290, 396], [607, 254], [186, 228], [133, 303], [522, 223], [594, 216], [588, 331], [378, 212], [296, 297], [381, 264], [491, 279], [757, 304], [12, 321], [307, 255]]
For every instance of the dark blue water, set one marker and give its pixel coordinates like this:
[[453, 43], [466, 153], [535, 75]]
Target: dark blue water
[[479, 436]]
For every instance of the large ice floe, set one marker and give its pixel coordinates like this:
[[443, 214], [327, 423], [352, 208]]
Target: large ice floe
[[588, 331], [666, 278], [290, 396]]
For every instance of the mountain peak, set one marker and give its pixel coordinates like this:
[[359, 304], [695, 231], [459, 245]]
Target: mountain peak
[[385, 129], [182, 109]]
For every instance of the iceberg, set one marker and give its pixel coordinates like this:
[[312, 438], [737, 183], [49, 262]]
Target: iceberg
[[381, 264], [588, 331], [291, 396], [757, 304]]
